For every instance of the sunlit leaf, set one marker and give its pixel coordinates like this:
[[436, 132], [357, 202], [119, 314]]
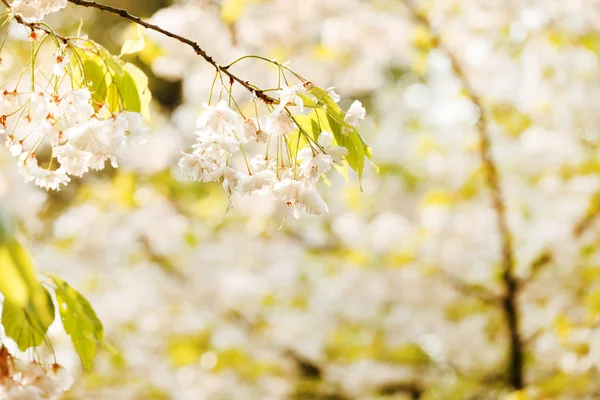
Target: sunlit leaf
[[96, 77], [115, 84], [27, 326], [18, 281], [140, 81], [79, 320], [132, 46], [128, 91], [330, 117]]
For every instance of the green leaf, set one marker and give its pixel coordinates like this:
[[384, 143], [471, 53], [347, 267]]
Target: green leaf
[[128, 92], [331, 106], [308, 102], [141, 83], [15, 274], [96, 76], [18, 281], [132, 46], [297, 139], [27, 326], [330, 117], [345, 136], [79, 320], [115, 84]]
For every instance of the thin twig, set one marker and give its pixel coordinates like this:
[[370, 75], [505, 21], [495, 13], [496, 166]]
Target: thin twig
[[580, 228], [126, 15], [509, 301], [590, 216], [468, 289]]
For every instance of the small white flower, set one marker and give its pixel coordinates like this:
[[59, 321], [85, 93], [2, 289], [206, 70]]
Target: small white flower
[[251, 132], [287, 190], [35, 10], [213, 143], [74, 105], [47, 179], [260, 181], [62, 59], [194, 166], [29, 10], [61, 377], [356, 113], [219, 119], [231, 180], [313, 166], [135, 122], [101, 138], [289, 96], [50, 6], [53, 179], [29, 167], [300, 196], [190, 166], [280, 123], [312, 202], [260, 163], [15, 147], [74, 161], [334, 96]]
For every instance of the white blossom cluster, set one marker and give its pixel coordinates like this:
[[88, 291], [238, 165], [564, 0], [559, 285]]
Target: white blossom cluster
[[20, 380], [269, 166], [78, 137], [36, 10]]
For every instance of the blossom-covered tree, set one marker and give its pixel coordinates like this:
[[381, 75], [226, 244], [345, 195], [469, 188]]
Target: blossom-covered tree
[[446, 241]]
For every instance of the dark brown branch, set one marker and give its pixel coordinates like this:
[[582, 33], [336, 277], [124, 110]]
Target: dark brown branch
[[509, 301], [195, 46]]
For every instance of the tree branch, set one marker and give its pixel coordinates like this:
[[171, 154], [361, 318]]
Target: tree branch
[[580, 228], [126, 15], [590, 216], [195, 46], [468, 289], [509, 301]]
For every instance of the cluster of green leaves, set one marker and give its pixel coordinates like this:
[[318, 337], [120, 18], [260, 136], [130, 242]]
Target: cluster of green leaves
[[28, 309], [114, 84], [326, 115]]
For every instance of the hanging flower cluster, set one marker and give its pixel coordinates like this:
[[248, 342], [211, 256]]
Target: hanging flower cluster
[[78, 135], [20, 380], [35, 10], [273, 164], [71, 129]]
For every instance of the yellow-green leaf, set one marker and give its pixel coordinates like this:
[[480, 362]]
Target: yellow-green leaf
[[27, 326], [330, 117], [96, 77], [79, 320], [132, 46], [115, 84], [140, 81], [18, 280]]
